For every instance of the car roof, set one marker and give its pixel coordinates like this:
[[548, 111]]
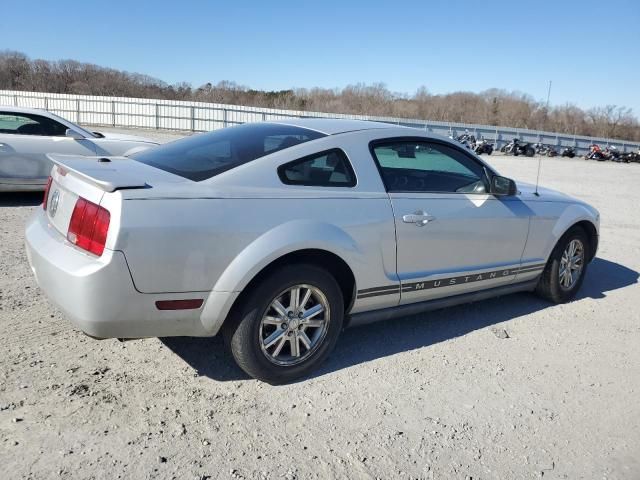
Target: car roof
[[36, 111], [333, 126]]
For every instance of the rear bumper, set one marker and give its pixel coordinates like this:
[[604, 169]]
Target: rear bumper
[[98, 294]]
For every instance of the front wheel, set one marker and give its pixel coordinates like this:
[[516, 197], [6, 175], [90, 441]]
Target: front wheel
[[565, 270], [287, 325]]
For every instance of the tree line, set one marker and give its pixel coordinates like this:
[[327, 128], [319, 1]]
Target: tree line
[[491, 107]]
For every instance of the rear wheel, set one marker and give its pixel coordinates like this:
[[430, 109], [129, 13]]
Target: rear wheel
[[565, 270], [287, 325]]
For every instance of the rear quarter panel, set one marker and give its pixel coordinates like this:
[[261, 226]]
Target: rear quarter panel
[[220, 244]]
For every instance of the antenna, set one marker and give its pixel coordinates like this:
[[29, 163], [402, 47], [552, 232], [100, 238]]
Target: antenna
[[538, 177], [548, 95], [546, 111]]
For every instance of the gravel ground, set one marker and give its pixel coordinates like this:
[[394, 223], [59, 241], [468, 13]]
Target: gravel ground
[[508, 388]]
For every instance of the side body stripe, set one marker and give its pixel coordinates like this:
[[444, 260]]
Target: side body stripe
[[448, 282]]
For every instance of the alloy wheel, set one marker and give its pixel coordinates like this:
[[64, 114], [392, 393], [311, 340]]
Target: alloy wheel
[[571, 264], [294, 325]]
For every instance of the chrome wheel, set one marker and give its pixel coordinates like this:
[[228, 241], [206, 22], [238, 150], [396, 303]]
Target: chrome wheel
[[571, 264], [294, 325]]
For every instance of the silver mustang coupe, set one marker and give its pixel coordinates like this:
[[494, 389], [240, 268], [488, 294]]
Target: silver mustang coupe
[[280, 234], [27, 135]]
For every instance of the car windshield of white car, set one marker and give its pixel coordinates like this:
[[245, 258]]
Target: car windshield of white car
[[203, 156]]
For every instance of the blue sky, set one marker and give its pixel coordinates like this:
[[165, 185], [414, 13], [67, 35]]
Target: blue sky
[[590, 50]]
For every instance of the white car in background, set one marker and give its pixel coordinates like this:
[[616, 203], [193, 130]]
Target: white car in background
[[27, 135]]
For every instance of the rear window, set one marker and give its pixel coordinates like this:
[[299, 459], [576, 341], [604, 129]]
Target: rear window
[[203, 156]]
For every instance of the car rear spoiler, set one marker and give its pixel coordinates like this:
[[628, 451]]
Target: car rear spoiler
[[102, 172]]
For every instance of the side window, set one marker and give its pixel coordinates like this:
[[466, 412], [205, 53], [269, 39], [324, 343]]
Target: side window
[[330, 168], [13, 122], [28, 124], [415, 166]]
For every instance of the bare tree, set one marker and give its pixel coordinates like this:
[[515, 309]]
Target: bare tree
[[491, 107]]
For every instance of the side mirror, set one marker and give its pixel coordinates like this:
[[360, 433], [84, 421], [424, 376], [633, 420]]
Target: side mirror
[[503, 186], [73, 134]]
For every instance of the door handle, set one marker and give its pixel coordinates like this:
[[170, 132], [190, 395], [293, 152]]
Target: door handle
[[418, 218]]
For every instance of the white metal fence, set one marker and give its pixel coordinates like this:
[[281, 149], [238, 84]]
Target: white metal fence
[[199, 117]]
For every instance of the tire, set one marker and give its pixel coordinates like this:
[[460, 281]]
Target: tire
[[550, 287], [245, 332], [529, 152]]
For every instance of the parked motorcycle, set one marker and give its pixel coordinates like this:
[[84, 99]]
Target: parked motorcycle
[[595, 153], [516, 147], [568, 152], [612, 153], [467, 140], [540, 148], [548, 150], [630, 157], [484, 147]]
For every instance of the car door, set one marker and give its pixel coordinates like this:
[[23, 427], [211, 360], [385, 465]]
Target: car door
[[452, 236], [25, 139]]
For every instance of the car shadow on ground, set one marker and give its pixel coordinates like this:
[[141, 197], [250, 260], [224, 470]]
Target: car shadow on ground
[[20, 199], [369, 342]]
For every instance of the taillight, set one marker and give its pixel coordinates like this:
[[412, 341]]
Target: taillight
[[45, 200], [89, 226]]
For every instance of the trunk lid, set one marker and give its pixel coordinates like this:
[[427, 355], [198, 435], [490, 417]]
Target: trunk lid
[[113, 173], [92, 178]]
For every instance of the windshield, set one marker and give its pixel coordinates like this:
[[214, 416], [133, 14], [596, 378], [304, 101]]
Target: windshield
[[205, 155]]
